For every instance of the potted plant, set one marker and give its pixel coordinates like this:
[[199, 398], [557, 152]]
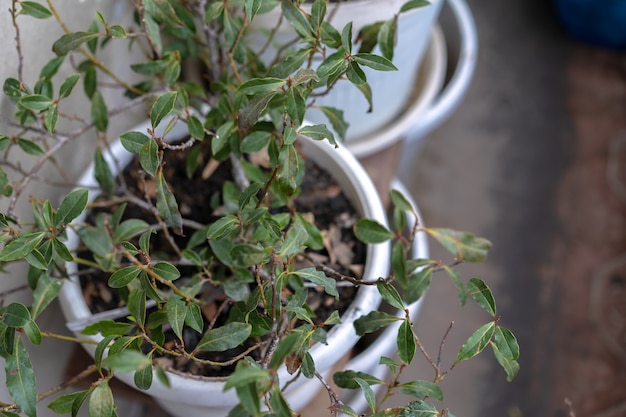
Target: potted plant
[[233, 290]]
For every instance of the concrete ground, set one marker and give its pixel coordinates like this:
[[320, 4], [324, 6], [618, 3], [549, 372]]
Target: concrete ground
[[534, 160]]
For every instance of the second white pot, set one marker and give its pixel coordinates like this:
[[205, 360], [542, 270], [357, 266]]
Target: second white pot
[[391, 91]]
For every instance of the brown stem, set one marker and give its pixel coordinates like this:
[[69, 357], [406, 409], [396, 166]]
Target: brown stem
[[18, 43]]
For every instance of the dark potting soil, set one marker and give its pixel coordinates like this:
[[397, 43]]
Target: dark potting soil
[[198, 199]]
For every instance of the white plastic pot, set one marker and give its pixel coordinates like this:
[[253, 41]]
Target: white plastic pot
[[194, 396], [389, 89]]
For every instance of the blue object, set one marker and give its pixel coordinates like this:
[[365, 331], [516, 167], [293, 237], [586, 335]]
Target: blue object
[[602, 22]]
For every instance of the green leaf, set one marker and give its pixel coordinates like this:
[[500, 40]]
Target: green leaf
[[129, 229], [295, 105], [90, 82], [13, 88], [249, 115], [69, 403], [482, 294], [167, 206], [134, 141], [20, 379], [510, 366], [101, 403], [279, 406], [35, 10], [247, 255], [128, 360], [16, 315], [99, 112], [291, 64], [422, 390], [45, 292], [296, 19], [223, 338], [370, 231], [35, 102], [103, 173], [318, 132], [32, 331], [376, 62], [373, 321], [506, 342], [162, 107], [295, 239], [30, 147], [107, 328], [476, 342], [137, 305], [347, 379], [123, 277], [71, 207], [71, 41], [246, 374], [176, 310], [68, 85], [387, 38], [456, 279], [406, 342], [51, 118], [20, 247], [224, 227], [149, 157], [346, 37], [319, 278], [401, 202], [367, 391], [62, 250], [193, 317], [464, 245], [336, 119], [166, 271], [418, 284], [318, 12], [37, 260], [289, 169], [143, 378], [196, 128], [391, 295], [252, 7], [261, 85], [285, 347], [419, 409], [222, 135], [355, 74], [117, 31], [414, 4]]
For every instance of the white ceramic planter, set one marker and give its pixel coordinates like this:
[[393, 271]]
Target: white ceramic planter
[[189, 396], [389, 89]]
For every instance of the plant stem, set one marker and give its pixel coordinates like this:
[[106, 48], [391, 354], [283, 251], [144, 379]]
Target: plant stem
[[68, 338], [91, 57]]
